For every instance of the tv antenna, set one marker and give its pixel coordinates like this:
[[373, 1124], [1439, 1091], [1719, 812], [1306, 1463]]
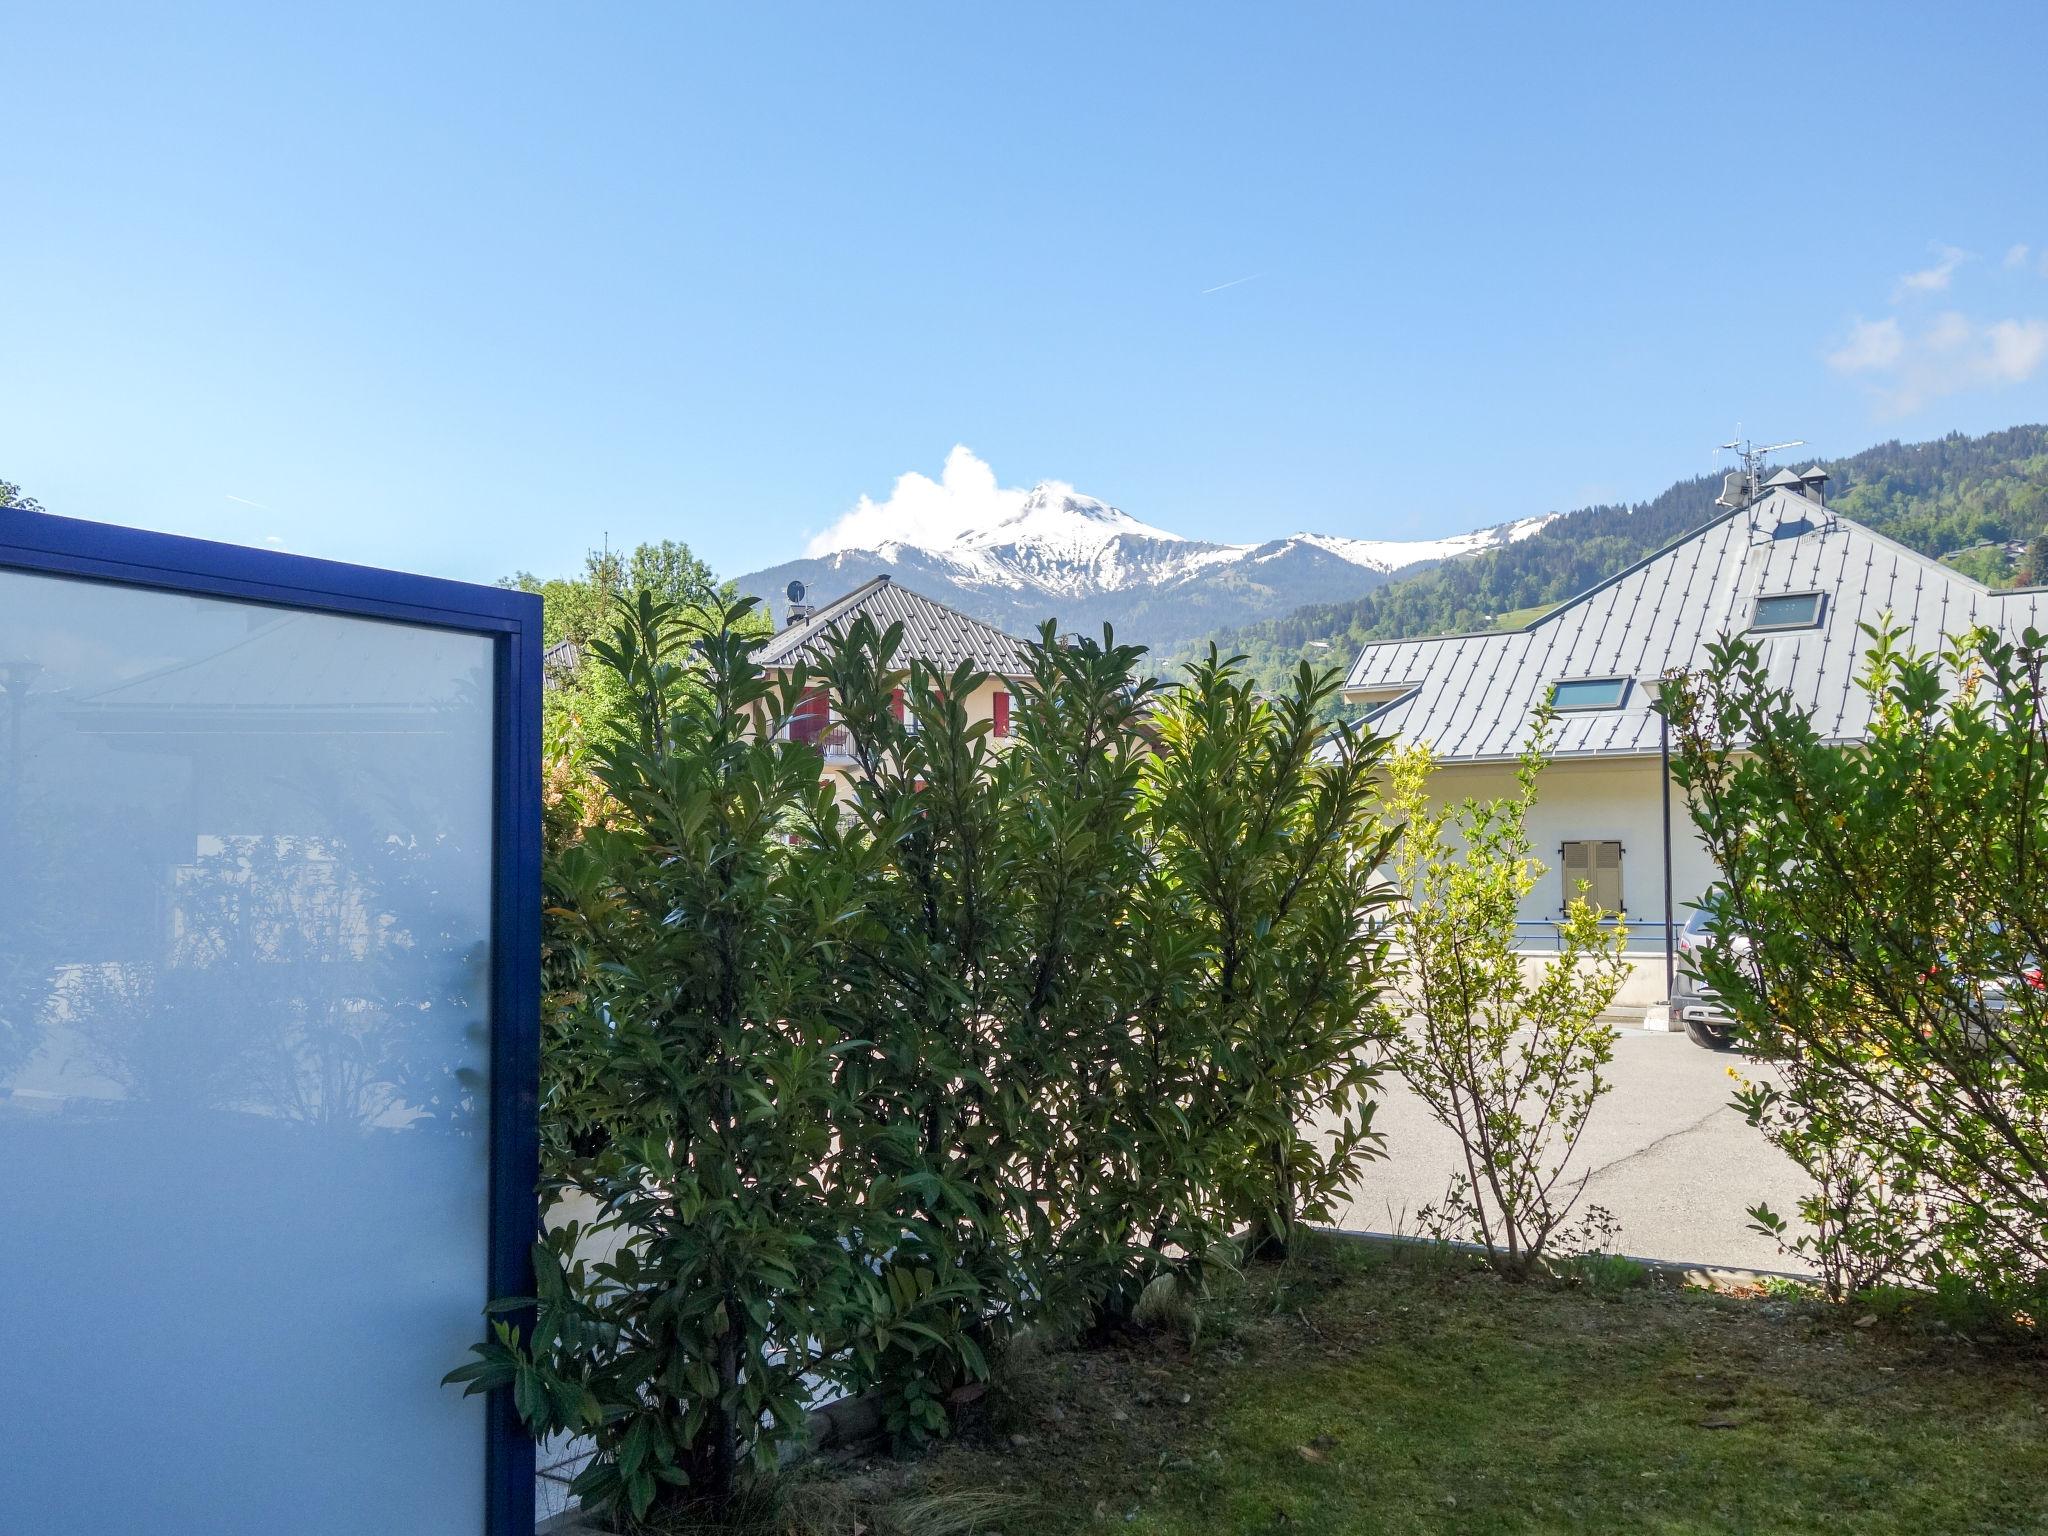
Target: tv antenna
[[1740, 486]]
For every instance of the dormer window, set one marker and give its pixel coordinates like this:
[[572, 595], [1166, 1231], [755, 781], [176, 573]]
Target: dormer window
[[1589, 693], [1787, 610]]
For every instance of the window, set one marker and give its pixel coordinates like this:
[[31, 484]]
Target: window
[[1589, 693], [1002, 704], [1787, 610], [1596, 866]]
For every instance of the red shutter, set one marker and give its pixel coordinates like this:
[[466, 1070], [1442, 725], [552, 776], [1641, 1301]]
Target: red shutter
[[1002, 714], [813, 714], [896, 704]]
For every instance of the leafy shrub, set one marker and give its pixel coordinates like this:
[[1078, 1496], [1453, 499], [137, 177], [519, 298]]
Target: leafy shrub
[[1609, 1273], [707, 1068], [857, 1087], [1881, 927], [1512, 1065], [1268, 850]]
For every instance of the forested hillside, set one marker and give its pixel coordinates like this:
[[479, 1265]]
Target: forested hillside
[[1960, 497]]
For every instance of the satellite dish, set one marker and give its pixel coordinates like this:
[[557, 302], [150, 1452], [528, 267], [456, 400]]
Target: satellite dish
[[795, 591]]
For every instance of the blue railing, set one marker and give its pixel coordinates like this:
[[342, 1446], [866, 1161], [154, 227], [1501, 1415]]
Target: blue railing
[[1539, 935]]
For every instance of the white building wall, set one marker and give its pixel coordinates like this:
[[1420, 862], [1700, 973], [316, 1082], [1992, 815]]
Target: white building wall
[[1610, 799]]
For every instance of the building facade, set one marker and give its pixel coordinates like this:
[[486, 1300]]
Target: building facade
[[933, 633], [1781, 568]]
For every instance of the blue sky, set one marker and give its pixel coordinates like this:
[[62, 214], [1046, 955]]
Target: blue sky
[[467, 289]]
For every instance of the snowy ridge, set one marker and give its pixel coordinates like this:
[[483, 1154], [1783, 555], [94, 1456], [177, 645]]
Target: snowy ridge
[[1014, 557], [1059, 541], [1393, 554]]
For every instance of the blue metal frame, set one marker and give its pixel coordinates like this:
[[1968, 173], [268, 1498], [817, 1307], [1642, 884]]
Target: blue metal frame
[[37, 541]]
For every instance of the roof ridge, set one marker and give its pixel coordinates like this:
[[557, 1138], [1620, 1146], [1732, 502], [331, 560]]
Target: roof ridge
[[1931, 562], [1650, 559], [845, 600], [1469, 700], [994, 629], [1570, 602], [795, 637]]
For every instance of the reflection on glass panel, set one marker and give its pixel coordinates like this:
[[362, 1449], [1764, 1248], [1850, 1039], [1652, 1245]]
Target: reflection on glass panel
[[1589, 693], [1787, 610], [245, 866]]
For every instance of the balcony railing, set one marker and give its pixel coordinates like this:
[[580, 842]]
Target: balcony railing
[[1540, 936], [828, 736]]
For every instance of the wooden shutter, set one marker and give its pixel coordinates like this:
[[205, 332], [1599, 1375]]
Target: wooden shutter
[[1002, 714], [1607, 876], [1596, 864], [1577, 861], [896, 704]]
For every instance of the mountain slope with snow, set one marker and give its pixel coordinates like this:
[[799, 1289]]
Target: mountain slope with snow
[[1017, 558]]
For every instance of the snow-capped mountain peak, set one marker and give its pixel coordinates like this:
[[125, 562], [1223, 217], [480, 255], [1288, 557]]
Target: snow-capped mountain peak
[[1393, 554], [1015, 556], [1054, 516]]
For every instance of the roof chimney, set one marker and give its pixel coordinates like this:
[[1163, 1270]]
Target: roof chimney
[[1814, 482]]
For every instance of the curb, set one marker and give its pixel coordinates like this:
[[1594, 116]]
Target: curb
[[1715, 1277]]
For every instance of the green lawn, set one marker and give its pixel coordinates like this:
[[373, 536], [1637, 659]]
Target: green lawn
[[1520, 618], [1362, 1391]]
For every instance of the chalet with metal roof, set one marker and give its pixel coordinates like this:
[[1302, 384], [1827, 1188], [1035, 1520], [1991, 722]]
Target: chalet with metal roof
[[1792, 575], [941, 636], [1783, 569]]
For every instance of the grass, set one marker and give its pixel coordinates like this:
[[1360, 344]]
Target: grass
[[1520, 618], [1362, 1390]]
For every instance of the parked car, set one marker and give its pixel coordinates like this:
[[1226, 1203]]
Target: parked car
[[1708, 1023], [1695, 1004]]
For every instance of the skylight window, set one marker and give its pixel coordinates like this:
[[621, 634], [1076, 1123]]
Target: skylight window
[[1589, 693], [1787, 610]]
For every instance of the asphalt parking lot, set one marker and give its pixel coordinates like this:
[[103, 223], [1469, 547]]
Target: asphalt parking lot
[[1675, 1164]]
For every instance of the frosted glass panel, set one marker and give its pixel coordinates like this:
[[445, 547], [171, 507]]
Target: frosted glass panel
[[245, 871]]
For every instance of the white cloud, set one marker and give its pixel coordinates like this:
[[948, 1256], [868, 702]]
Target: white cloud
[[1906, 370], [921, 510], [1934, 279], [2018, 348], [1872, 344], [2015, 258]]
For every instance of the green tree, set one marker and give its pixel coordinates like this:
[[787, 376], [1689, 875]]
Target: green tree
[[2033, 567], [1511, 1063], [579, 610], [702, 951], [1881, 925], [1268, 845], [859, 1087]]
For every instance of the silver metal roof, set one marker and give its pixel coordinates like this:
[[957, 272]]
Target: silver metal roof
[[1470, 696], [932, 632]]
